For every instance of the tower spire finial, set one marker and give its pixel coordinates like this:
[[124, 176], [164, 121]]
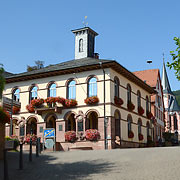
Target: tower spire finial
[[163, 57], [84, 22]]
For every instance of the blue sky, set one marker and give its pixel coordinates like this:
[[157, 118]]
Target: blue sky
[[130, 31]]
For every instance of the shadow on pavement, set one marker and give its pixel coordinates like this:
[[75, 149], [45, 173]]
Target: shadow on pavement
[[48, 167]]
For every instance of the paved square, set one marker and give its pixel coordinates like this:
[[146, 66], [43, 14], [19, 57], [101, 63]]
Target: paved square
[[124, 164]]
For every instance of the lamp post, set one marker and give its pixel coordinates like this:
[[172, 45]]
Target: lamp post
[[105, 118]]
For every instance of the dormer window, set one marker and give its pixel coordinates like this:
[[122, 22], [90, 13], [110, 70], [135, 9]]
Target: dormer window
[[81, 45]]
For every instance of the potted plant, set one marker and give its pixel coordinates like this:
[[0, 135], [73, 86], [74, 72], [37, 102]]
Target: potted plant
[[51, 101], [91, 100], [70, 136], [33, 137], [60, 100], [140, 110], [13, 138], [140, 136], [36, 103], [92, 134], [130, 134], [118, 101], [130, 106]]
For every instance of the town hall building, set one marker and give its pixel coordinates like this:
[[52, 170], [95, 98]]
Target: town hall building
[[90, 102]]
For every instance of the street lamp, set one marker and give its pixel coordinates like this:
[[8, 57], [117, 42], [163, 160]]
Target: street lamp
[[105, 118]]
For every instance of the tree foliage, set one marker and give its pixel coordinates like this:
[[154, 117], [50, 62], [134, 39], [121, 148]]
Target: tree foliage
[[175, 58], [39, 65], [2, 80]]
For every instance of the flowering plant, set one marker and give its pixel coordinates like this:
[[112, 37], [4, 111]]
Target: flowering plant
[[4, 116], [92, 134], [91, 100], [50, 100], [130, 106], [130, 134], [60, 100], [70, 102], [29, 136], [30, 108], [149, 115], [16, 110], [140, 136], [70, 136], [140, 110], [118, 101], [37, 102]]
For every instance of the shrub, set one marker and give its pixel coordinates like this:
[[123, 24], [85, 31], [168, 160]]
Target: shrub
[[70, 136]]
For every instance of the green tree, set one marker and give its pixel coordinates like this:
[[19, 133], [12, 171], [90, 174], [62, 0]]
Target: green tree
[[2, 80], [175, 58], [39, 65]]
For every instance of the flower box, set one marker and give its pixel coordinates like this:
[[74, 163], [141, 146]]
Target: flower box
[[140, 136], [118, 101], [92, 100], [92, 134], [4, 116], [70, 103], [140, 110], [130, 106], [149, 115], [36, 103], [130, 134], [70, 136], [13, 139], [16, 110]]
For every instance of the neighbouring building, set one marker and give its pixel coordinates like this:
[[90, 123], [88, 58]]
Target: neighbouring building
[[98, 94], [152, 78], [172, 109]]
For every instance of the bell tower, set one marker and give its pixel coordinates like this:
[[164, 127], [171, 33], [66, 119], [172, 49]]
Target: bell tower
[[84, 42]]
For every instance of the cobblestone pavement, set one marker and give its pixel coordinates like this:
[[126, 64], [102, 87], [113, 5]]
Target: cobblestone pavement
[[120, 164]]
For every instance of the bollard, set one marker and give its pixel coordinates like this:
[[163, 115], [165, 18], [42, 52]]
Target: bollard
[[39, 145], [37, 148], [21, 157], [30, 151], [6, 177]]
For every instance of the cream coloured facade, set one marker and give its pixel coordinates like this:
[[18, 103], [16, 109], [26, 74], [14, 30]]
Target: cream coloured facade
[[81, 70]]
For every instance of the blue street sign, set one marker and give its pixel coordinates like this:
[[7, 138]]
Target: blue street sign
[[49, 133]]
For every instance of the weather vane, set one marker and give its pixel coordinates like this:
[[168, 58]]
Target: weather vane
[[84, 22]]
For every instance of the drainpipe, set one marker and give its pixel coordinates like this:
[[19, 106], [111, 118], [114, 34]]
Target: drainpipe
[[105, 119]]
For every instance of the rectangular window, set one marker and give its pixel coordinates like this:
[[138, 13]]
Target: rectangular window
[[60, 127], [41, 129]]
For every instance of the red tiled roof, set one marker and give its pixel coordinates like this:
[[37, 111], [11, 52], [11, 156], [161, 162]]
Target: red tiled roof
[[149, 76]]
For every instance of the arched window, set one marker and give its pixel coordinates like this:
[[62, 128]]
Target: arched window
[[52, 90], [92, 120], [71, 92], [147, 128], [129, 120], [81, 45], [16, 95], [139, 126], [128, 93], [92, 87], [33, 93], [117, 123], [147, 104], [116, 87], [138, 98]]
